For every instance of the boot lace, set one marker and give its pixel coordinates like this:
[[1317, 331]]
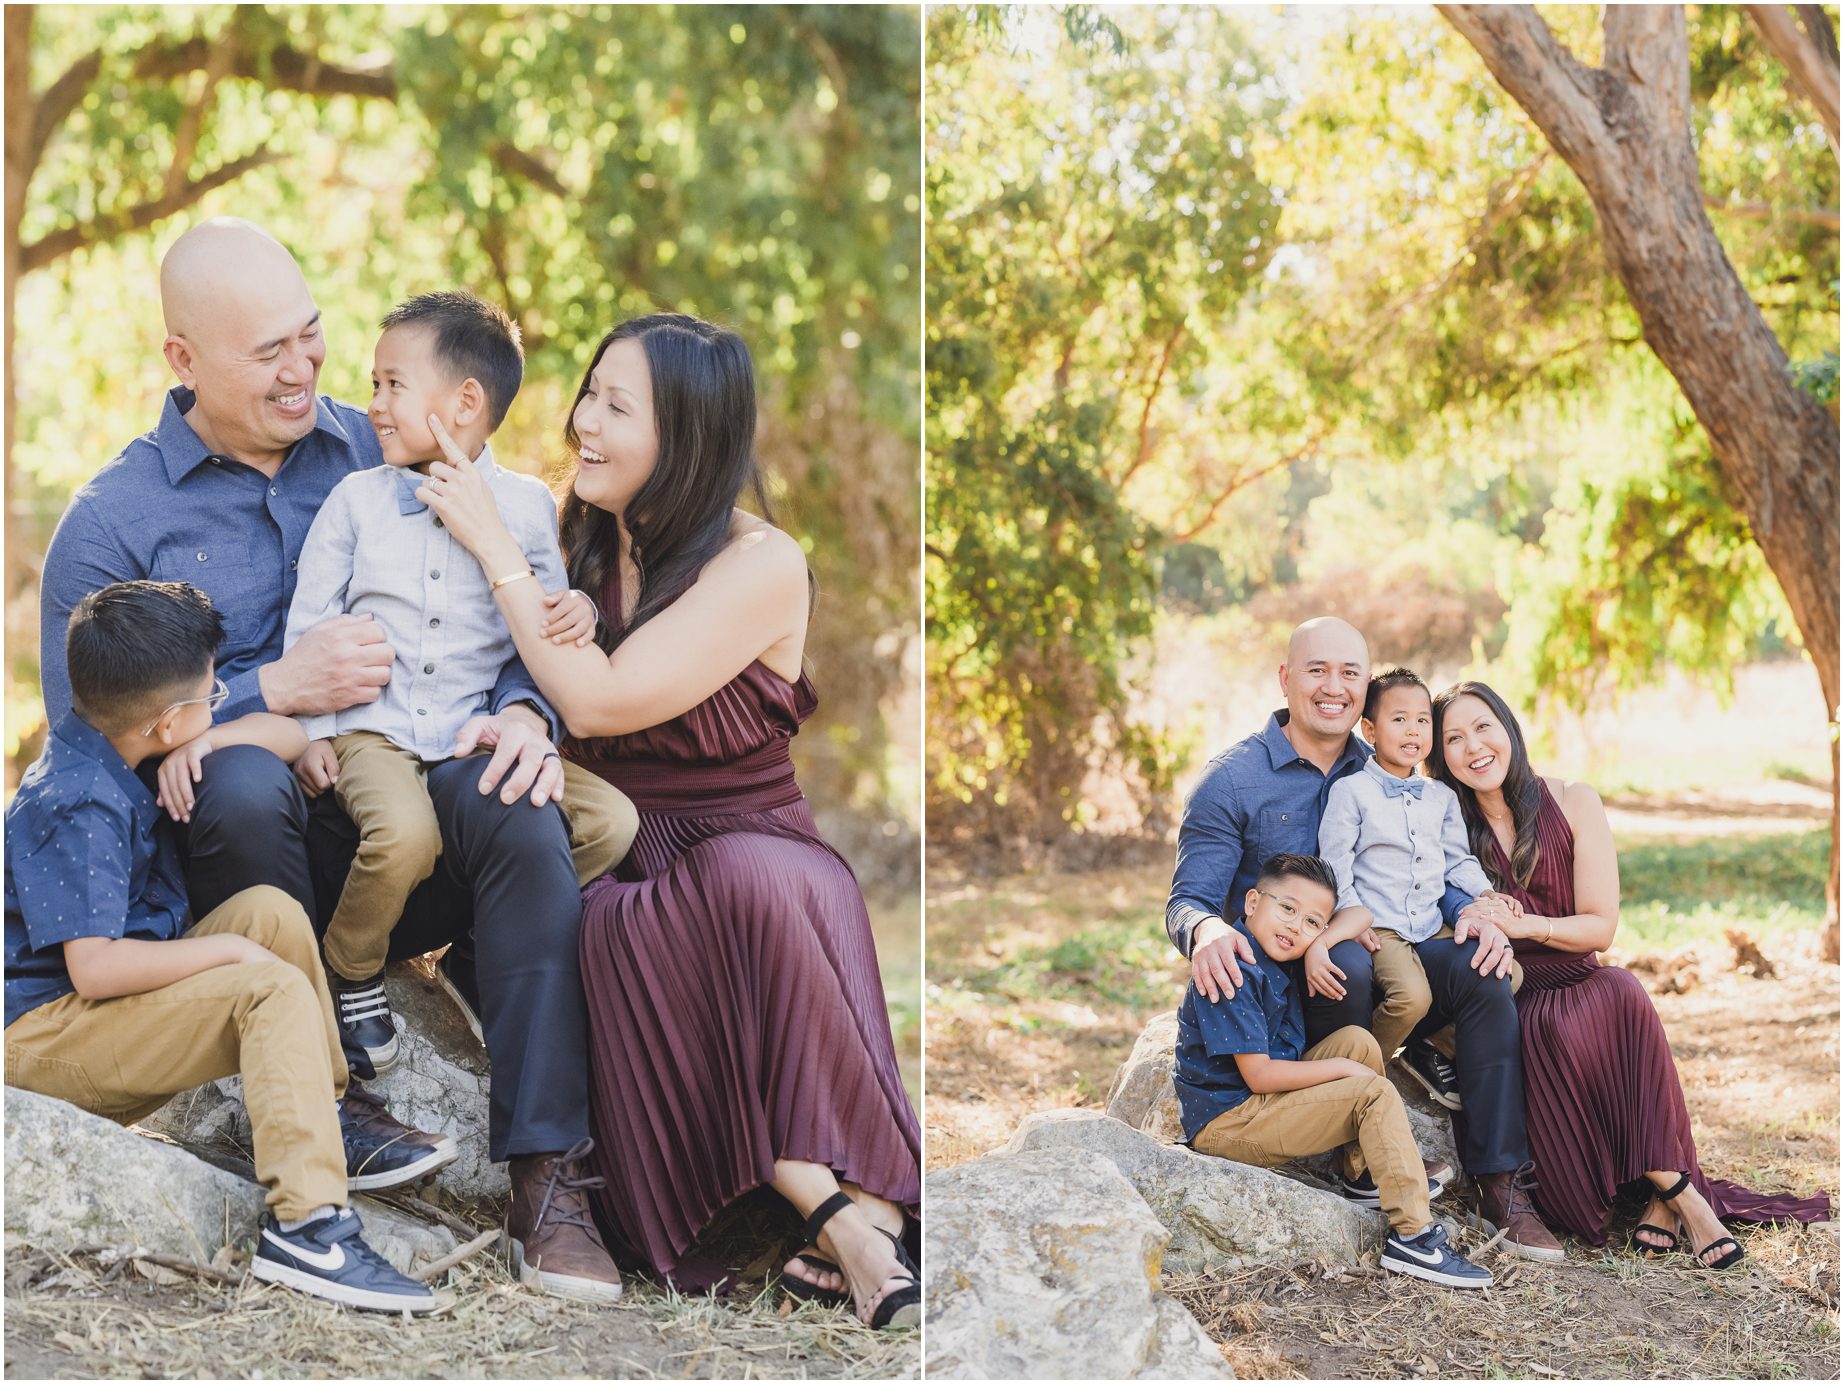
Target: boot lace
[[563, 1193]]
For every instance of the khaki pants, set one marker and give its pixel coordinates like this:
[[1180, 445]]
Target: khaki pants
[[1362, 1113], [270, 1020], [383, 789]]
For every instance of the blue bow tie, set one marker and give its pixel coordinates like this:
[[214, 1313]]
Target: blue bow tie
[[1394, 787], [407, 482]]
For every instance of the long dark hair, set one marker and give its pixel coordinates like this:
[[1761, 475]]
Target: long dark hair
[[1523, 789], [704, 406]]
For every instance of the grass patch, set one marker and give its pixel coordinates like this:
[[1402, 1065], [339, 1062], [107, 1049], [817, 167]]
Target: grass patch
[[1673, 892]]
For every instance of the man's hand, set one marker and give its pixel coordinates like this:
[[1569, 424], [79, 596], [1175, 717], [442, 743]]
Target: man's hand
[[1215, 945], [338, 663], [536, 768], [1322, 977], [177, 775], [317, 769], [1494, 956]]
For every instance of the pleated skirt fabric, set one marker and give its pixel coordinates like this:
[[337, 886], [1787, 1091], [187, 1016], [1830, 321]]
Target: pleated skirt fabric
[[736, 1017], [1603, 1101]]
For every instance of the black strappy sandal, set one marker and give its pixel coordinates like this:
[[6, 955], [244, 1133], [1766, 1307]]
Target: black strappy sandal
[[1648, 1248], [1727, 1260], [900, 1308]]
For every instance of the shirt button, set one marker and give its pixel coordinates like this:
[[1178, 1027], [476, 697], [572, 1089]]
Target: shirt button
[[438, 523], [274, 490], [435, 576], [434, 621], [428, 667], [422, 711], [293, 564], [201, 557]]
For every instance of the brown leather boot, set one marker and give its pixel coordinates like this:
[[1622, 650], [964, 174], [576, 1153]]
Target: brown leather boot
[[1504, 1202], [550, 1238]]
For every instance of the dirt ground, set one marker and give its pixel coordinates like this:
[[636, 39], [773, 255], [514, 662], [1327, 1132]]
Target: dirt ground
[[1038, 987]]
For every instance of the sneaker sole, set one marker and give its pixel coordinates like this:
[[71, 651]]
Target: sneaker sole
[[1430, 1275], [1435, 1094], [453, 992], [444, 1153], [270, 1271], [555, 1284]]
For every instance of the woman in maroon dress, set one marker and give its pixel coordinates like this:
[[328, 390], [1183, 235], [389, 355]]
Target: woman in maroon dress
[[738, 1025], [1602, 1098]]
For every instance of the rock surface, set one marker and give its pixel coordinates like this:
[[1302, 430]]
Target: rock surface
[[76, 1180], [1046, 1266], [1220, 1214], [1143, 1097], [439, 1084]]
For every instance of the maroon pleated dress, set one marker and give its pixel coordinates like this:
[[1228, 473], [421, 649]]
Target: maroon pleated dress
[[736, 1012], [1602, 1098]]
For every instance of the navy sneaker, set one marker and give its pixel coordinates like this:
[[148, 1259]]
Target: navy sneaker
[[1363, 1190], [454, 972], [367, 1031], [381, 1151], [329, 1258], [1429, 1256], [1435, 1073]]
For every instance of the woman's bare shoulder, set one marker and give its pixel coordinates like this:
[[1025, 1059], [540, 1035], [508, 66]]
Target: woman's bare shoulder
[[1578, 801], [760, 551]]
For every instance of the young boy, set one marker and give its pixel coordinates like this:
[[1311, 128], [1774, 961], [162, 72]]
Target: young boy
[[1247, 1091], [116, 1001], [376, 550], [1395, 840]]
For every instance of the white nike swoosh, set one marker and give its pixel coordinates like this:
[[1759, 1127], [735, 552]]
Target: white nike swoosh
[[329, 1260], [1413, 1253]]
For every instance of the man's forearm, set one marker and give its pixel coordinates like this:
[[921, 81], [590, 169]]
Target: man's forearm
[[1182, 919]]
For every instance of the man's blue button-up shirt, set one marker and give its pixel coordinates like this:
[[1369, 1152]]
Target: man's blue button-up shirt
[[1259, 797], [87, 855], [1265, 1016], [168, 509]]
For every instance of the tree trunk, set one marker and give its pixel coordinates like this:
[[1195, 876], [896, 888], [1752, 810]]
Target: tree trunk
[[1625, 130]]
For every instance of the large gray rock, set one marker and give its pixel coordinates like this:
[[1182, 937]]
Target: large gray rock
[[1046, 1266], [439, 1084], [1143, 1097], [1220, 1214], [75, 1180]]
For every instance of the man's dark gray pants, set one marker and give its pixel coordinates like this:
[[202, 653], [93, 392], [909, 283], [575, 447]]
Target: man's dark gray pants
[[505, 871], [1489, 1130]]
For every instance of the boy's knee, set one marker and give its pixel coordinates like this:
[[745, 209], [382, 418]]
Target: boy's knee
[[608, 822], [1359, 1043], [410, 840], [268, 915]]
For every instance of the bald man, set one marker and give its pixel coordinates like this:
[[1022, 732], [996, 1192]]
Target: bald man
[[1264, 796], [221, 494]]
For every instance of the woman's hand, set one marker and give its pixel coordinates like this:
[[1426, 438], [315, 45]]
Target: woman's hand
[[573, 618], [462, 500], [177, 774]]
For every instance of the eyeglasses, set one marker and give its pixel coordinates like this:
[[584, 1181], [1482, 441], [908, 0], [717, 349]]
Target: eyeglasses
[[216, 698], [1291, 914]]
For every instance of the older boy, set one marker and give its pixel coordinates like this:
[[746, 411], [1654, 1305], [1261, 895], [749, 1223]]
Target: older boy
[[115, 1003], [1250, 1090]]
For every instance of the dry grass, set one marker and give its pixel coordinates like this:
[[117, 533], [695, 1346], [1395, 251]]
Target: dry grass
[[73, 1318]]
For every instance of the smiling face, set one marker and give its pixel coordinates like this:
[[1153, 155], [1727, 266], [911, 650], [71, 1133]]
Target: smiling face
[[1327, 670], [1402, 730], [407, 385], [1475, 744], [1286, 914], [617, 437], [244, 336]]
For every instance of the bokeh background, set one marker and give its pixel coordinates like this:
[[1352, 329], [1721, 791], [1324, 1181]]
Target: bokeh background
[[1239, 316], [577, 164]]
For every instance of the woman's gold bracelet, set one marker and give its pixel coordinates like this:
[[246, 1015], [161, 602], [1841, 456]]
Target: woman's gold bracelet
[[1551, 932], [507, 581]]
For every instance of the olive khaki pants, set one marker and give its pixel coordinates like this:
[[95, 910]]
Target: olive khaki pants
[[271, 1021], [1364, 1114], [383, 789]]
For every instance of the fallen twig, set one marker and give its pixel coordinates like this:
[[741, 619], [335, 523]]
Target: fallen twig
[[448, 1261], [175, 1262]]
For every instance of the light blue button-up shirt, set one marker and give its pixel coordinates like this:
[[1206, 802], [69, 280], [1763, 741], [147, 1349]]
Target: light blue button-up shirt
[[377, 550], [1395, 846]]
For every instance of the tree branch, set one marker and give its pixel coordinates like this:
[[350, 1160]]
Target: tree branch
[[55, 246], [58, 101], [192, 119], [1243, 479], [281, 67], [1810, 55], [516, 161], [1767, 211], [1539, 72]]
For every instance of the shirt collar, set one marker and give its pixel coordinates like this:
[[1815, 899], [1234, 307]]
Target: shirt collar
[[184, 451], [85, 740], [409, 481], [1276, 973], [1382, 775], [1281, 750]]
